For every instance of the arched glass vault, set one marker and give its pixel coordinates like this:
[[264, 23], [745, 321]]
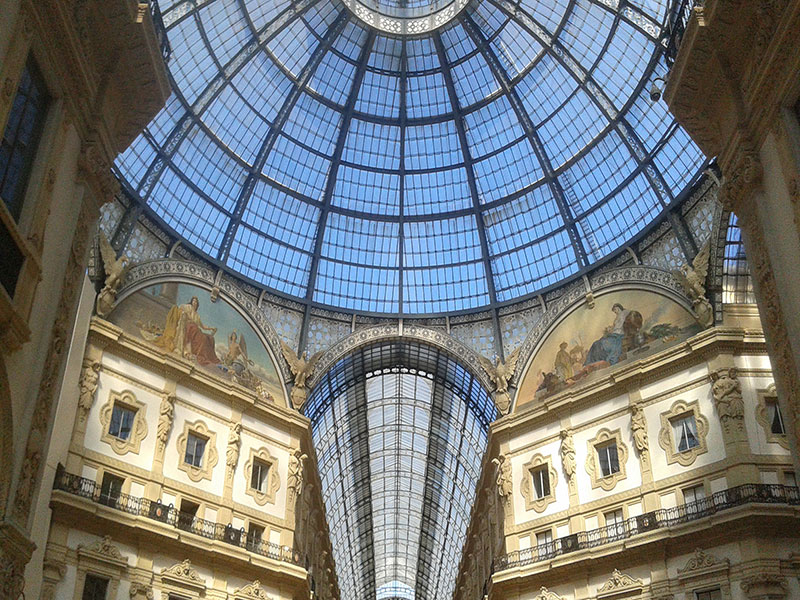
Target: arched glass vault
[[400, 429], [467, 166]]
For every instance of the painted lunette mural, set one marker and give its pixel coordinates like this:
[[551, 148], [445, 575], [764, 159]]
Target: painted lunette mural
[[180, 318], [622, 327]]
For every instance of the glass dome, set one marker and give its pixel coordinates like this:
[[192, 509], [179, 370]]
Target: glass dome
[[505, 148]]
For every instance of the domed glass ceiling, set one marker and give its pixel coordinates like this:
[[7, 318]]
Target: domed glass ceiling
[[509, 146]]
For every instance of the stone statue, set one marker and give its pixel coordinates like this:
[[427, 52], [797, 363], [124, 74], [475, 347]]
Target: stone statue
[[568, 454], [504, 479], [727, 392], [302, 368], [639, 428], [88, 386], [295, 477], [692, 279], [501, 373], [115, 269], [166, 412], [234, 443]]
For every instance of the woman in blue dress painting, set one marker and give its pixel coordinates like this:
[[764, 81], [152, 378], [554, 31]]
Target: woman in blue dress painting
[[608, 348]]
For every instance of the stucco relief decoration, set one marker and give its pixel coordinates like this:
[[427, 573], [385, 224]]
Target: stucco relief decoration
[[232, 451], [115, 271], [294, 480], [765, 586], [272, 481], [180, 319], [583, 344], [90, 374], [500, 373], [302, 367], [727, 393], [138, 591], [692, 279], [504, 479], [104, 549], [166, 415], [567, 451], [183, 571], [527, 487], [667, 434], [545, 594], [619, 582], [252, 591], [122, 442], [700, 561], [604, 438]]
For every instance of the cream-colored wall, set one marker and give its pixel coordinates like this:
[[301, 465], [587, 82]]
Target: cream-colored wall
[[251, 441], [550, 449]]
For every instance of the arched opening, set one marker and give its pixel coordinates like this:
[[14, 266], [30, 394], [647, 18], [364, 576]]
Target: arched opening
[[400, 429]]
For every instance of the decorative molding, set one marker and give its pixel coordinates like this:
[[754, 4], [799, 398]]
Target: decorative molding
[[166, 416], [545, 594], [232, 451], [527, 487], [127, 400], [619, 583], [639, 429], [103, 550], [210, 454], [273, 481], [701, 563], [765, 586], [567, 452], [666, 439], [603, 437], [765, 396], [139, 590], [183, 575], [87, 387], [252, 591]]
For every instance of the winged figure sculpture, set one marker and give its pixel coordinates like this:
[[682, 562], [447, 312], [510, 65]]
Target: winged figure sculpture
[[115, 270], [301, 367], [501, 373]]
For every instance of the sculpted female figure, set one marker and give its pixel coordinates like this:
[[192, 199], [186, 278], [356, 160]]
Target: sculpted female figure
[[185, 333]]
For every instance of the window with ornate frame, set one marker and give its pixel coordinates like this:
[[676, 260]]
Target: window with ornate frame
[[683, 433], [197, 463], [123, 422], [606, 458], [539, 482], [100, 560], [261, 475], [769, 416]]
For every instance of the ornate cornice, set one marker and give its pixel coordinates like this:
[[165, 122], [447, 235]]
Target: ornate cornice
[[545, 594], [619, 583], [702, 562], [183, 572], [252, 591], [103, 550]]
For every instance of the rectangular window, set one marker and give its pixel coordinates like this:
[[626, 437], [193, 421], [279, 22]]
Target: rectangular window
[[541, 482], [789, 479], [110, 489], [685, 430], [693, 497], [254, 536], [122, 419], [608, 459], [775, 417], [187, 514], [94, 587], [544, 543], [615, 523], [21, 137], [195, 446], [709, 595], [258, 479]]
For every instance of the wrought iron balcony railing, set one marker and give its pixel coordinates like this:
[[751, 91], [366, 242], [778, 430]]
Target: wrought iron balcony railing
[[169, 515], [665, 517], [676, 26]]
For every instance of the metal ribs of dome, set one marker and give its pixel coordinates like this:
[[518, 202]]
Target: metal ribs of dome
[[468, 167]]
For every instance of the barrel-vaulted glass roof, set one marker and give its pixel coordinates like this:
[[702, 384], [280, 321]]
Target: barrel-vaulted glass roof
[[477, 163]]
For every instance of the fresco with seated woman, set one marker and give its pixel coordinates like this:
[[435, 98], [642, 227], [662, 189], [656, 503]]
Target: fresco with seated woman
[[181, 319], [622, 327]]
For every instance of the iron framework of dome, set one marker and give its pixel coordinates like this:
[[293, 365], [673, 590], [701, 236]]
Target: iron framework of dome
[[508, 147]]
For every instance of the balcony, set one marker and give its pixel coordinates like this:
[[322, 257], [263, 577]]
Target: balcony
[[169, 515], [750, 493]]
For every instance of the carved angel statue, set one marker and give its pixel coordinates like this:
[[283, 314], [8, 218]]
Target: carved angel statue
[[501, 373], [115, 269], [301, 367], [692, 279], [294, 480], [504, 480]]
